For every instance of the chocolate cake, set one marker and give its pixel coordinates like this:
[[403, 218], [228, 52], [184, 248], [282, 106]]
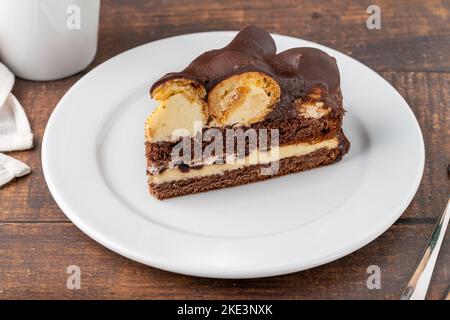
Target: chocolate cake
[[242, 114]]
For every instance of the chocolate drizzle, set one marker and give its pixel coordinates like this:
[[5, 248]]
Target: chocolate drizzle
[[183, 167], [253, 49]]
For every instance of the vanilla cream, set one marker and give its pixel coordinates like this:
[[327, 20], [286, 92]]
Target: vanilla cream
[[175, 116], [277, 153]]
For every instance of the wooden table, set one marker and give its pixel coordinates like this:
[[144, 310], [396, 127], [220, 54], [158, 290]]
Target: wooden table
[[411, 51]]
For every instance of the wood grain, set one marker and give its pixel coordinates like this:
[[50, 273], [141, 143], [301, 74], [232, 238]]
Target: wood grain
[[413, 36], [34, 259], [411, 51]]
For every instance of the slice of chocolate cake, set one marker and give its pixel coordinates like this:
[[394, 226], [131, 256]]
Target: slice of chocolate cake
[[242, 114]]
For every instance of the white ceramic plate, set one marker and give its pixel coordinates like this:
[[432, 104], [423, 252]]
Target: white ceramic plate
[[94, 164]]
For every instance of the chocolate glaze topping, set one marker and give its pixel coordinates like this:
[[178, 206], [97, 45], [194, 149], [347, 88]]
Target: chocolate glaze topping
[[253, 49]]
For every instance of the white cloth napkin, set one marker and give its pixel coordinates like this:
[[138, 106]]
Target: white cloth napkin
[[11, 168], [15, 132]]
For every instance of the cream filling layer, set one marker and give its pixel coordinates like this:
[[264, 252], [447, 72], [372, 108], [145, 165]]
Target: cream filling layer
[[173, 118], [255, 103], [255, 157]]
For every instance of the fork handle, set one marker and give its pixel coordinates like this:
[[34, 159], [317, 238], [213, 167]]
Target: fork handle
[[417, 286]]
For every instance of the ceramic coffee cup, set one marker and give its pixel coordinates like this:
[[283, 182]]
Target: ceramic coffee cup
[[48, 39]]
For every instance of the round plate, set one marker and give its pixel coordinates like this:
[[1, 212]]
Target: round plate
[[94, 164]]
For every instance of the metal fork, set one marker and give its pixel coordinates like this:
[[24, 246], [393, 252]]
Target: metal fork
[[417, 286]]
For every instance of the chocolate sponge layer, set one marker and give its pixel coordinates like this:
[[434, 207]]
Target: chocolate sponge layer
[[294, 130], [249, 174]]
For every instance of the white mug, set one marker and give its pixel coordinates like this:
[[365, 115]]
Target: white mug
[[48, 39]]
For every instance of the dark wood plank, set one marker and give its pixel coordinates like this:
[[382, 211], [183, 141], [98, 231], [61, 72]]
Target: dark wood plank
[[428, 94], [28, 199], [414, 34], [37, 242], [34, 259]]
